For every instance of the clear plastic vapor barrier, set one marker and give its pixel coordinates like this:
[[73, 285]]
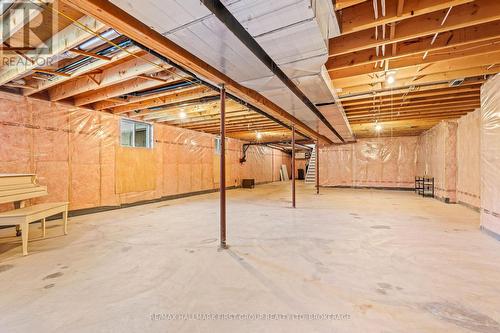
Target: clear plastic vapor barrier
[[377, 162], [78, 154], [490, 155]]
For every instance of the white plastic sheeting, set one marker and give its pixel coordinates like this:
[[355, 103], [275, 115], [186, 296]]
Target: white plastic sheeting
[[293, 32], [376, 162], [77, 154], [490, 155], [468, 177], [437, 157]]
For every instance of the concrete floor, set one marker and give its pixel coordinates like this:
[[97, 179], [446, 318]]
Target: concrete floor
[[381, 261]]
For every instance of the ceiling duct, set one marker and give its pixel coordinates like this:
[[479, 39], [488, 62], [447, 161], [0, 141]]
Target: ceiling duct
[[294, 33]]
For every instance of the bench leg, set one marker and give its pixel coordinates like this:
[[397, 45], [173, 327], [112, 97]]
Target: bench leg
[[24, 237], [65, 220], [43, 227]]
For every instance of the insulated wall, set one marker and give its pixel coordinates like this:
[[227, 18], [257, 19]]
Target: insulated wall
[[468, 151], [377, 162], [490, 155], [76, 154], [437, 157]]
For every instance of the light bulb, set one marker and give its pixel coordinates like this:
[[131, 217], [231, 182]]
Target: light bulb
[[391, 79], [258, 135], [182, 114], [378, 127]]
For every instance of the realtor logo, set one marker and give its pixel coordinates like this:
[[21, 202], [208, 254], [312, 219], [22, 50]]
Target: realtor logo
[[26, 29]]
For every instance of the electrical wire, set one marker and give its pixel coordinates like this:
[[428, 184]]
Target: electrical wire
[[44, 5]]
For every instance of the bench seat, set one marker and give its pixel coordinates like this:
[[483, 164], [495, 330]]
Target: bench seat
[[26, 215]]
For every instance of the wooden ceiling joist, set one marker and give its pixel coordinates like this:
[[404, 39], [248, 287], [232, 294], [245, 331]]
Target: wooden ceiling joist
[[85, 70], [250, 118], [415, 110], [417, 47], [341, 4], [421, 104], [360, 17], [207, 117], [436, 115], [62, 41], [14, 20], [110, 76], [444, 77], [122, 88], [171, 112], [478, 60], [458, 57], [122, 21], [477, 12], [409, 98], [175, 96]]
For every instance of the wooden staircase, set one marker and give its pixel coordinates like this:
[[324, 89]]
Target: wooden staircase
[[311, 170]]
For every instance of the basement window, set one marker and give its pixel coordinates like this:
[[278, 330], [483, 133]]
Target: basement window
[[217, 144], [136, 134]]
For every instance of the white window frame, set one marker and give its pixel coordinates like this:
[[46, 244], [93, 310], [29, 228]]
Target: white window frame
[[149, 143], [217, 145]]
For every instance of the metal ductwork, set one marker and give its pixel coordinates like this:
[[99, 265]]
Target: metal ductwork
[[294, 33]]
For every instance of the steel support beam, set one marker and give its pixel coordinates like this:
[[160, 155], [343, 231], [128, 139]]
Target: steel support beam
[[225, 16], [222, 181], [293, 166], [215, 88]]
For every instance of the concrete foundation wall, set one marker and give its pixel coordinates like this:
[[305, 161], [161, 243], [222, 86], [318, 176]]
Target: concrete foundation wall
[[76, 153]]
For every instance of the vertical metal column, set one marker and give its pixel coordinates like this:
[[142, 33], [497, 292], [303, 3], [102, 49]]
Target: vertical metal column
[[317, 166], [223, 167], [293, 165]]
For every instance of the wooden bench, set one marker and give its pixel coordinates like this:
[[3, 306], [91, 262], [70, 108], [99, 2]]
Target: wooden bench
[[24, 216], [17, 188]]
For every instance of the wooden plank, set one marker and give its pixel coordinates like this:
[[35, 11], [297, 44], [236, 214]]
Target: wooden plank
[[172, 112], [423, 103], [477, 12], [174, 97], [415, 96], [83, 70], [135, 170], [109, 76], [451, 115], [360, 17], [440, 77], [341, 4], [52, 72], [444, 41], [119, 89], [62, 41], [473, 83], [472, 61], [90, 54], [16, 19], [461, 54], [415, 111]]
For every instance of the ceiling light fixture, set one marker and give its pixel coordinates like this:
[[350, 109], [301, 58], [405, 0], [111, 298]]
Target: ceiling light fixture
[[378, 127], [182, 114], [258, 135]]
